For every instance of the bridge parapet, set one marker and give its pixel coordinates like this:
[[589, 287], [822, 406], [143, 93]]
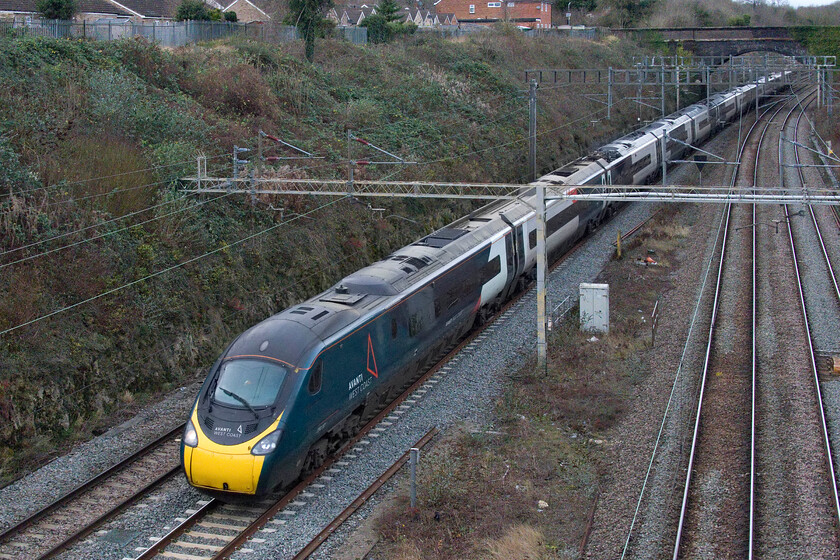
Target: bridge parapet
[[723, 41]]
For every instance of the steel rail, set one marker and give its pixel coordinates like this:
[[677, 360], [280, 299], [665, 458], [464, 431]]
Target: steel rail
[[753, 349], [186, 525], [811, 351], [87, 485], [111, 513], [319, 539], [818, 229], [712, 329]]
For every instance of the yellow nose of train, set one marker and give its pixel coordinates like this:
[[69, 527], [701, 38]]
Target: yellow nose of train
[[230, 468]]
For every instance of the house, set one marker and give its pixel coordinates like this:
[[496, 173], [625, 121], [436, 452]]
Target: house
[[135, 10], [247, 12], [535, 14], [429, 18], [351, 16], [24, 11], [447, 19]]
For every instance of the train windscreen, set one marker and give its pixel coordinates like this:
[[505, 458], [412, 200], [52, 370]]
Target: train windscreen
[[249, 383]]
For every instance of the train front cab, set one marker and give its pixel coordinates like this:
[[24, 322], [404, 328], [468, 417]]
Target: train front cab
[[235, 433]]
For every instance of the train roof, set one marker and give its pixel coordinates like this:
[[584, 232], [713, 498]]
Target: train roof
[[306, 326]]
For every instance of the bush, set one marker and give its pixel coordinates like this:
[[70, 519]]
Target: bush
[[236, 90], [13, 174], [739, 21], [380, 30], [194, 10], [56, 9], [231, 17]]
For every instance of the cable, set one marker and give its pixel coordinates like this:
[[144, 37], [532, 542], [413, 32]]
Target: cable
[[286, 286], [102, 223], [81, 181], [106, 234], [99, 195], [168, 269], [145, 359]]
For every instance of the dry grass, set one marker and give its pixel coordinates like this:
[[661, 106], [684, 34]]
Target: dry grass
[[521, 542], [237, 90], [82, 159], [407, 551]]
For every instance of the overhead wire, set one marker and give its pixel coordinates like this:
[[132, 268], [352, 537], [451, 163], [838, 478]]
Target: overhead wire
[[226, 317], [103, 177], [167, 269], [522, 139], [110, 233], [286, 286], [92, 226]]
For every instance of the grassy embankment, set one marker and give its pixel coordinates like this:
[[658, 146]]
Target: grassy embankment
[[90, 132]]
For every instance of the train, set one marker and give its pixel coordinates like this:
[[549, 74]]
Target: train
[[289, 391]]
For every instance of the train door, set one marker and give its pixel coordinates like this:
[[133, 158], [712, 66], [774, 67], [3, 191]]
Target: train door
[[606, 179], [515, 249]]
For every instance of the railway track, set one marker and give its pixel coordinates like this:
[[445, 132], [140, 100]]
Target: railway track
[[757, 484], [819, 301], [722, 445], [75, 515]]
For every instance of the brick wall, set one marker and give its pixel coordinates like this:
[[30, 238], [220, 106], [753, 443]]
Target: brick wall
[[247, 13], [536, 12]]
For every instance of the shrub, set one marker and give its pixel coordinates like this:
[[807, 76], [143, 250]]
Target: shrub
[[13, 174], [56, 9], [378, 30], [238, 90], [231, 17], [739, 21], [381, 30], [195, 10]]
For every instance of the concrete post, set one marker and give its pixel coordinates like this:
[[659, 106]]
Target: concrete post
[[414, 456], [541, 266], [532, 130]]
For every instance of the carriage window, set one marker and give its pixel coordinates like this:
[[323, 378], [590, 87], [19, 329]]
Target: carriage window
[[393, 328], [491, 269], [315, 378]]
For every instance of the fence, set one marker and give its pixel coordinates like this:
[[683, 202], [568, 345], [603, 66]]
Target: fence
[[591, 33], [167, 34], [180, 33]]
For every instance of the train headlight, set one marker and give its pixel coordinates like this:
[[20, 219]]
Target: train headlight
[[267, 444], [190, 435]]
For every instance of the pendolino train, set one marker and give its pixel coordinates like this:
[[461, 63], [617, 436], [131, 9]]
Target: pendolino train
[[289, 391]]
